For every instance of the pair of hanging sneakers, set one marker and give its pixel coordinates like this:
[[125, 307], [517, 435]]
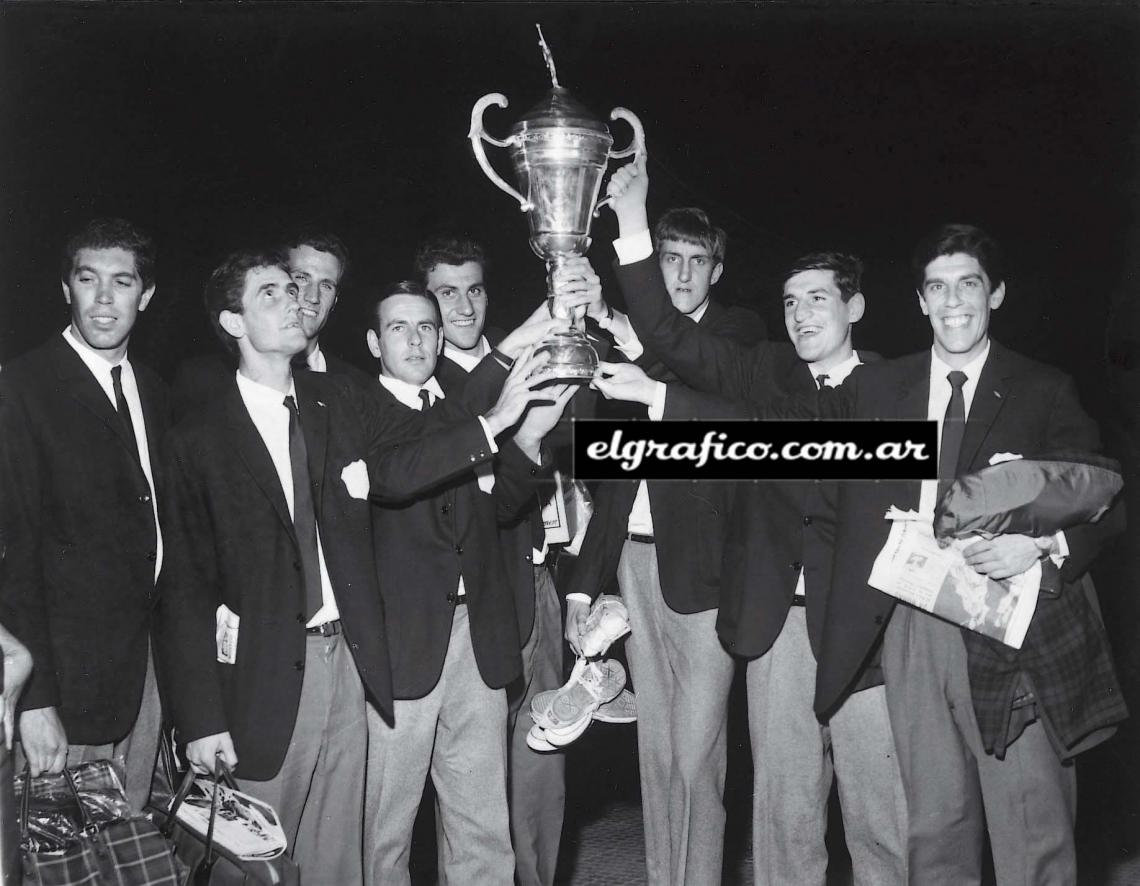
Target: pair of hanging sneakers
[[596, 689]]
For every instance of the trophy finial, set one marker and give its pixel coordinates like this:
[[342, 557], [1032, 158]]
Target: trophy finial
[[548, 58]]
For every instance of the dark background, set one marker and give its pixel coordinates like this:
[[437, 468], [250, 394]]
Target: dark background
[[798, 127]]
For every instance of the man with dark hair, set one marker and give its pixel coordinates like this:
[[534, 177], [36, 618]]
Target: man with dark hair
[[453, 270], [985, 734], [317, 262], [272, 625], [663, 541], [80, 426], [449, 599]]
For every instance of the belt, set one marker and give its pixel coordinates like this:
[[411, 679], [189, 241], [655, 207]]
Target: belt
[[328, 629], [639, 538], [457, 599], [799, 600]]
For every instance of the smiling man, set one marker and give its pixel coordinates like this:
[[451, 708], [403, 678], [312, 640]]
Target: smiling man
[[80, 424]]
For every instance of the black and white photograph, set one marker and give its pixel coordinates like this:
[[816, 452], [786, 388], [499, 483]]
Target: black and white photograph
[[318, 318]]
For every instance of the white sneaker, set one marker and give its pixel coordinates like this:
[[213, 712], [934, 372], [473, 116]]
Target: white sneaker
[[621, 709], [608, 621]]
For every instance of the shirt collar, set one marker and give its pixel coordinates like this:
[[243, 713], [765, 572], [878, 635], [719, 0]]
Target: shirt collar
[[259, 396], [701, 311], [467, 360], [837, 374], [315, 359], [939, 369], [99, 367], [409, 394]]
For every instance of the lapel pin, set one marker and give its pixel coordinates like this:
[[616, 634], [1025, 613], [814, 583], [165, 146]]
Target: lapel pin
[[997, 394], [319, 403]]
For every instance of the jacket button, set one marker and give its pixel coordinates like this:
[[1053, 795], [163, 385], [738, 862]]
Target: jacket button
[[298, 666], [297, 565], [152, 556], [144, 499], [807, 521], [878, 619], [797, 565], [446, 509], [301, 618], [459, 549]]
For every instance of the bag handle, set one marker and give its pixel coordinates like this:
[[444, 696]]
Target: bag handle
[[221, 773]]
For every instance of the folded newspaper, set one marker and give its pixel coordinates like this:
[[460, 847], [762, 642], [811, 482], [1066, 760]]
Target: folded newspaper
[[245, 826], [912, 567]]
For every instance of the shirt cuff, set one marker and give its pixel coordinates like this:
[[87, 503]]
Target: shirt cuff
[[657, 407], [631, 347], [1058, 558], [487, 432], [580, 598], [633, 247]]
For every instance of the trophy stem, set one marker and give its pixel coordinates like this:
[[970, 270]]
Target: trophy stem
[[553, 264]]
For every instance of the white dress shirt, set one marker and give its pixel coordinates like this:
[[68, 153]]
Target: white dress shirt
[[101, 369], [315, 360], [266, 407]]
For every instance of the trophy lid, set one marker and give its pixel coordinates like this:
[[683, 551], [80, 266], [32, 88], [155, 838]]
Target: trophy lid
[[558, 109]]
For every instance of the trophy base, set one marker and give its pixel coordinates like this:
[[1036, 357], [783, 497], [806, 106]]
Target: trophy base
[[572, 357]]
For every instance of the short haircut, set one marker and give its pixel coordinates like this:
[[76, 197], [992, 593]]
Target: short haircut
[[848, 270], [321, 241], [111, 233], [227, 283], [403, 287], [691, 225], [447, 250], [967, 239]]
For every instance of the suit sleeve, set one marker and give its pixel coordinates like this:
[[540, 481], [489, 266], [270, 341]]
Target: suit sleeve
[[409, 452], [702, 359], [22, 596], [597, 562], [188, 598], [517, 480], [1071, 429]]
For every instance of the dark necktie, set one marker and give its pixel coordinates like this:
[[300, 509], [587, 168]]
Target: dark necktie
[[953, 427], [821, 380], [122, 408], [304, 516], [425, 398]]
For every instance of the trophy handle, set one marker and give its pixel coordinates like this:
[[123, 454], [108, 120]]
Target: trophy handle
[[636, 147], [478, 135]]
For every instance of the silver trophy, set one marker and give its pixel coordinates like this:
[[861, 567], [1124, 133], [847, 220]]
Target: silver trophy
[[559, 152]]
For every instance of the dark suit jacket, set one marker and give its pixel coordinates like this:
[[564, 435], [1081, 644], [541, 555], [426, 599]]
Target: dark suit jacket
[[199, 380], [1020, 406], [690, 520], [231, 541], [77, 585], [421, 549]]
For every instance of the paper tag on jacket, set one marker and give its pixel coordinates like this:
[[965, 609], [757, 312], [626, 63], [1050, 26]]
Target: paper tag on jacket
[[226, 634]]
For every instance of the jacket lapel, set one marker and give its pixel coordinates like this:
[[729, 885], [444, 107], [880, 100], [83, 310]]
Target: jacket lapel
[[83, 387], [989, 397], [251, 448]]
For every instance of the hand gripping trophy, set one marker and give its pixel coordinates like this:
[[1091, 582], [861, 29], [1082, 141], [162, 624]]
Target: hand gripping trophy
[[559, 152]]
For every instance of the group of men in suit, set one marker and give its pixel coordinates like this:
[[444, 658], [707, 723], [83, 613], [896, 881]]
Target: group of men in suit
[[350, 591], [939, 737], [302, 545]]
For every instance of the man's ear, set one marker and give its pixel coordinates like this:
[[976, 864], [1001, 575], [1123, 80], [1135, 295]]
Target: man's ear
[[233, 323], [439, 341], [66, 291], [856, 305], [997, 297], [373, 341], [922, 304], [717, 271], [145, 298]]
